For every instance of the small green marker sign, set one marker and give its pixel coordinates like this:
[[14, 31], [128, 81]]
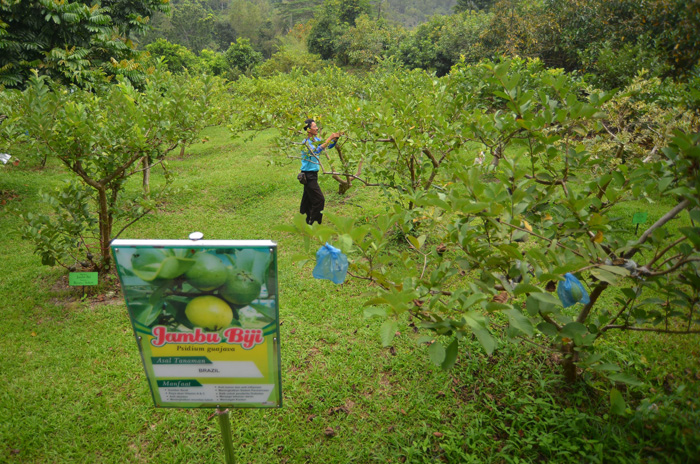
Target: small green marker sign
[[639, 218], [82, 278]]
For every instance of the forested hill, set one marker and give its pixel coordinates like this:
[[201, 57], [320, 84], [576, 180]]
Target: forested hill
[[411, 13], [214, 24]]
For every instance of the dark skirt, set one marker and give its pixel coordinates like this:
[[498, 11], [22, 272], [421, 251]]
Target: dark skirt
[[312, 201]]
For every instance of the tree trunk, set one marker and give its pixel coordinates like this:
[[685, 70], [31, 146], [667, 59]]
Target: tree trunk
[[182, 150], [146, 175], [343, 187], [496, 156], [569, 362], [105, 224]]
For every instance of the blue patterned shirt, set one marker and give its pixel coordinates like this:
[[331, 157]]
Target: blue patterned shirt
[[311, 152]]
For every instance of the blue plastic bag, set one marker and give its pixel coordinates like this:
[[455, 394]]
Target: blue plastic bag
[[331, 264], [568, 291]]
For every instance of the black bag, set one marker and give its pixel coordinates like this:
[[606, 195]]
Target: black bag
[[301, 177]]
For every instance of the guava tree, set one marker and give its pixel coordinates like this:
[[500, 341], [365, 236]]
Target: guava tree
[[284, 101], [399, 126], [99, 137], [202, 95], [487, 248]]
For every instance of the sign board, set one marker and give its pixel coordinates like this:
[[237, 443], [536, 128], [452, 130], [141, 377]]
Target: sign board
[[206, 319], [82, 278], [639, 218]]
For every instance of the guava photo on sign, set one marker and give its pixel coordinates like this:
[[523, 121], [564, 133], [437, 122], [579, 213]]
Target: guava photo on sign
[[206, 319]]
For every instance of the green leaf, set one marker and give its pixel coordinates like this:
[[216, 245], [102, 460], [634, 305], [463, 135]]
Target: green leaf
[[266, 311], [615, 269], [606, 367], [369, 313], [519, 321], [693, 234], [416, 242], [625, 378], [437, 353], [526, 288], [473, 299], [695, 215], [617, 403], [344, 243], [548, 329], [485, 339], [387, 332], [450, 355], [542, 302], [605, 276], [473, 207], [572, 329], [492, 306], [257, 262], [561, 270], [144, 312], [511, 251]]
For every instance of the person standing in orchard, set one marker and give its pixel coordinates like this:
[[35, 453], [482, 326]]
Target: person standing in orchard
[[313, 201]]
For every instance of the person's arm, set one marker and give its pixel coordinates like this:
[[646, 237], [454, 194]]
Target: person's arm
[[330, 142]]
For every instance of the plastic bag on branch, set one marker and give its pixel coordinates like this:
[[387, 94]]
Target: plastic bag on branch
[[331, 264], [571, 291]]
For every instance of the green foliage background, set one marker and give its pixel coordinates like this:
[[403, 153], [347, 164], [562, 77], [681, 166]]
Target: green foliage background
[[439, 121], [75, 388]]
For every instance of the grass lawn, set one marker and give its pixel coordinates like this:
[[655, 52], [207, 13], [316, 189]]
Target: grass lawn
[[75, 391]]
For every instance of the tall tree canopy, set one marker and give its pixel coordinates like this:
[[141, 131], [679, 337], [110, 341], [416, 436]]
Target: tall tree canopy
[[69, 40], [336, 17]]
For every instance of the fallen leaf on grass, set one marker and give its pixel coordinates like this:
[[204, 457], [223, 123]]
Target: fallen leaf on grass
[[329, 432], [437, 434], [333, 411]]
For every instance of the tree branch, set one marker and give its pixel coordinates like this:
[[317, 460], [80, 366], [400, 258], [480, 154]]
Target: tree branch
[[614, 319], [358, 277], [549, 320], [672, 268], [650, 329], [542, 237], [144, 169], [663, 220], [594, 297], [135, 157], [663, 252], [127, 226]]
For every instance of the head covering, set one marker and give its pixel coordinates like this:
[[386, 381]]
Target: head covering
[[307, 124]]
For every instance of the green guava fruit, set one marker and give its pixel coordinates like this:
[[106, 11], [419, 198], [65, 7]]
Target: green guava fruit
[[576, 293], [151, 263], [207, 273], [209, 312], [240, 287]]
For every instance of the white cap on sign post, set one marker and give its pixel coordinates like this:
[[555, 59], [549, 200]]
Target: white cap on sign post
[[196, 236]]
